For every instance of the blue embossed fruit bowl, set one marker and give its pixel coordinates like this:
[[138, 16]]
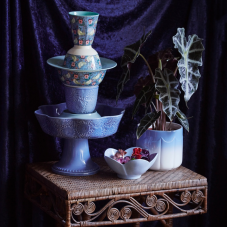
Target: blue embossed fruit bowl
[[133, 169]]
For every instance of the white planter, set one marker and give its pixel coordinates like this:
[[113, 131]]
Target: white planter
[[167, 144]]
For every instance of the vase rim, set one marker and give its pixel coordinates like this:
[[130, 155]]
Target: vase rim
[[82, 87], [179, 127], [83, 13]]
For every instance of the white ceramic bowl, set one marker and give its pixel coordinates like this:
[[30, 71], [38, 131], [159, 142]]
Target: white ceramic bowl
[[132, 169]]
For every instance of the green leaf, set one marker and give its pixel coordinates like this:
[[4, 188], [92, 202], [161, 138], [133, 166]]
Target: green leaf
[[191, 53], [183, 119], [144, 96], [146, 122], [131, 52], [166, 84]]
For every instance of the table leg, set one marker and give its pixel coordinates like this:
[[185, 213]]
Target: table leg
[[68, 214]]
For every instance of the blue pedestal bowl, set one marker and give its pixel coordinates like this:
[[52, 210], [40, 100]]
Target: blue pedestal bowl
[[76, 160]]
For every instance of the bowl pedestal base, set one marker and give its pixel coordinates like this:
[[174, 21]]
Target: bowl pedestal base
[[75, 160]]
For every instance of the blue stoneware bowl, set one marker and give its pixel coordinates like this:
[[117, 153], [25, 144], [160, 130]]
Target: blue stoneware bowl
[[82, 62], [81, 78], [132, 169], [77, 77], [75, 160], [81, 100], [83, 24], [51, 122]]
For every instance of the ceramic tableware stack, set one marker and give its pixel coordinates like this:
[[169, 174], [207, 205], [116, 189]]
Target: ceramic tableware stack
[[81, 71]]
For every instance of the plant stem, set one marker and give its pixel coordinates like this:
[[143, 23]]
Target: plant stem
[[154, 106], [151, 108], [150, 71], [175, 72], [163, 120], [161, 117], [157, 109], [160, 123], [169, 125]]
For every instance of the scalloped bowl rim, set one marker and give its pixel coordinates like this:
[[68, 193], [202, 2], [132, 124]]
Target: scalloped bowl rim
[[42, 114]]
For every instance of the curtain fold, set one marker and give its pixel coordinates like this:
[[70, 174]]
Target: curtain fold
[[33, 31]]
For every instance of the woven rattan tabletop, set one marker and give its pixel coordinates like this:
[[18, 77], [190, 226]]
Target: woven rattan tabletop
[[106, 183]]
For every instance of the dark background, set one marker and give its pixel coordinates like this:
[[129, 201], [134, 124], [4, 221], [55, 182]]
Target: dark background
[[34, 30]]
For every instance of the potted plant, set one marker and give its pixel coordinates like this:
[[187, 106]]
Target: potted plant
[[159, 93]]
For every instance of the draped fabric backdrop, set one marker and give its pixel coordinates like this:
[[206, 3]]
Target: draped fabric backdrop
[[34, 30]]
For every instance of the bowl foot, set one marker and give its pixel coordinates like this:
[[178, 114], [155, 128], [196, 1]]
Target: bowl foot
[[129, 177], [76, 172]]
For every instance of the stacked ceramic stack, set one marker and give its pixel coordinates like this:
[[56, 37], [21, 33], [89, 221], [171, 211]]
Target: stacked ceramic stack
[[81, 71]]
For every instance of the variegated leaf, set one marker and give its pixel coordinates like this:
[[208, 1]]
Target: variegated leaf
[[166, 84], [183, 119], [191, 53], [146, 122], [131, 52], [144, 97]]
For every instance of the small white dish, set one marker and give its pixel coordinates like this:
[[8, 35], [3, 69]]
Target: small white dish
[[132, 169]]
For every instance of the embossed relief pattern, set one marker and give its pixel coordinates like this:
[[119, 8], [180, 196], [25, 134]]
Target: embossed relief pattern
[[75, 128], [81, 100]]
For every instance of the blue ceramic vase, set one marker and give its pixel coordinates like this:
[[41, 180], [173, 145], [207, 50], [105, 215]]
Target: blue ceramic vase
[[167, 144], [83, 24]]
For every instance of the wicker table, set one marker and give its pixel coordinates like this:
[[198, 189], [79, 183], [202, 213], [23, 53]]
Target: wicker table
[[104, 199]]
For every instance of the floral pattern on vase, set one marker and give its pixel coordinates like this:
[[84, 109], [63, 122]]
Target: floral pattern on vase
[[83, 29], [81, 62], [81, 78]]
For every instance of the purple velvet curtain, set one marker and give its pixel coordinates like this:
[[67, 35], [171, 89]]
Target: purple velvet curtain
[[34, 30]]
